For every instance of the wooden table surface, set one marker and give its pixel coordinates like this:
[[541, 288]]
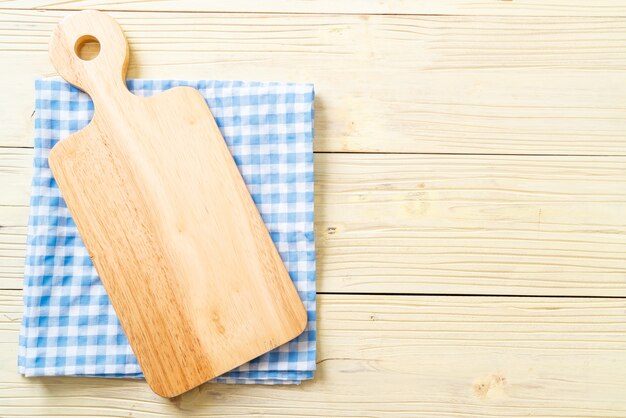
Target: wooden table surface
[[470, 199]]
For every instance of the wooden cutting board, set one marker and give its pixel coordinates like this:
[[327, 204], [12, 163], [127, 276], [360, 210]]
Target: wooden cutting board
[[172, 230]]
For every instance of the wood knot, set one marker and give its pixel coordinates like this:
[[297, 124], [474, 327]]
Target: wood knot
[[215, 317], [491, 386]]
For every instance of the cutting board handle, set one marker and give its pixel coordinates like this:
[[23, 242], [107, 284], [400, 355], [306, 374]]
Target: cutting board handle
[[103, 75]]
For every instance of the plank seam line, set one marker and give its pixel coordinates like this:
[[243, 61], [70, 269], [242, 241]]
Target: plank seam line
[[460, 295], [474, 154], [468, 295], [453, 15], [469, 154]]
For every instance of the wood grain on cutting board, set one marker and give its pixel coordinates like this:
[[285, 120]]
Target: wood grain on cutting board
[[188, 264]]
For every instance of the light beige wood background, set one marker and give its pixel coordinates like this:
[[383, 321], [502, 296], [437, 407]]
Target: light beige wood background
[[470, 199]]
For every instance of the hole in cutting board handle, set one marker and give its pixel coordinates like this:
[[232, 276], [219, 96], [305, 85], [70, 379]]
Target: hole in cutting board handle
[[87, 47], [105, 73]]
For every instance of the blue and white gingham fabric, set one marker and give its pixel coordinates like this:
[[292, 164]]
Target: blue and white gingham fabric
[[69, 326]]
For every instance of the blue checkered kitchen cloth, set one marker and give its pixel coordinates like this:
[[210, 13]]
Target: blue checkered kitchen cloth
[[69, 326]]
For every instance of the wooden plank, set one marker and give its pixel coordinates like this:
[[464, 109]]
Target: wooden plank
[[15, 175], [437, 224], [472, 224], [427, 84], [12, 252], [446, 7], [379, 356]]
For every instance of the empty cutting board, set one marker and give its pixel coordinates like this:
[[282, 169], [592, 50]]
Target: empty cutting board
[[173, 232]]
